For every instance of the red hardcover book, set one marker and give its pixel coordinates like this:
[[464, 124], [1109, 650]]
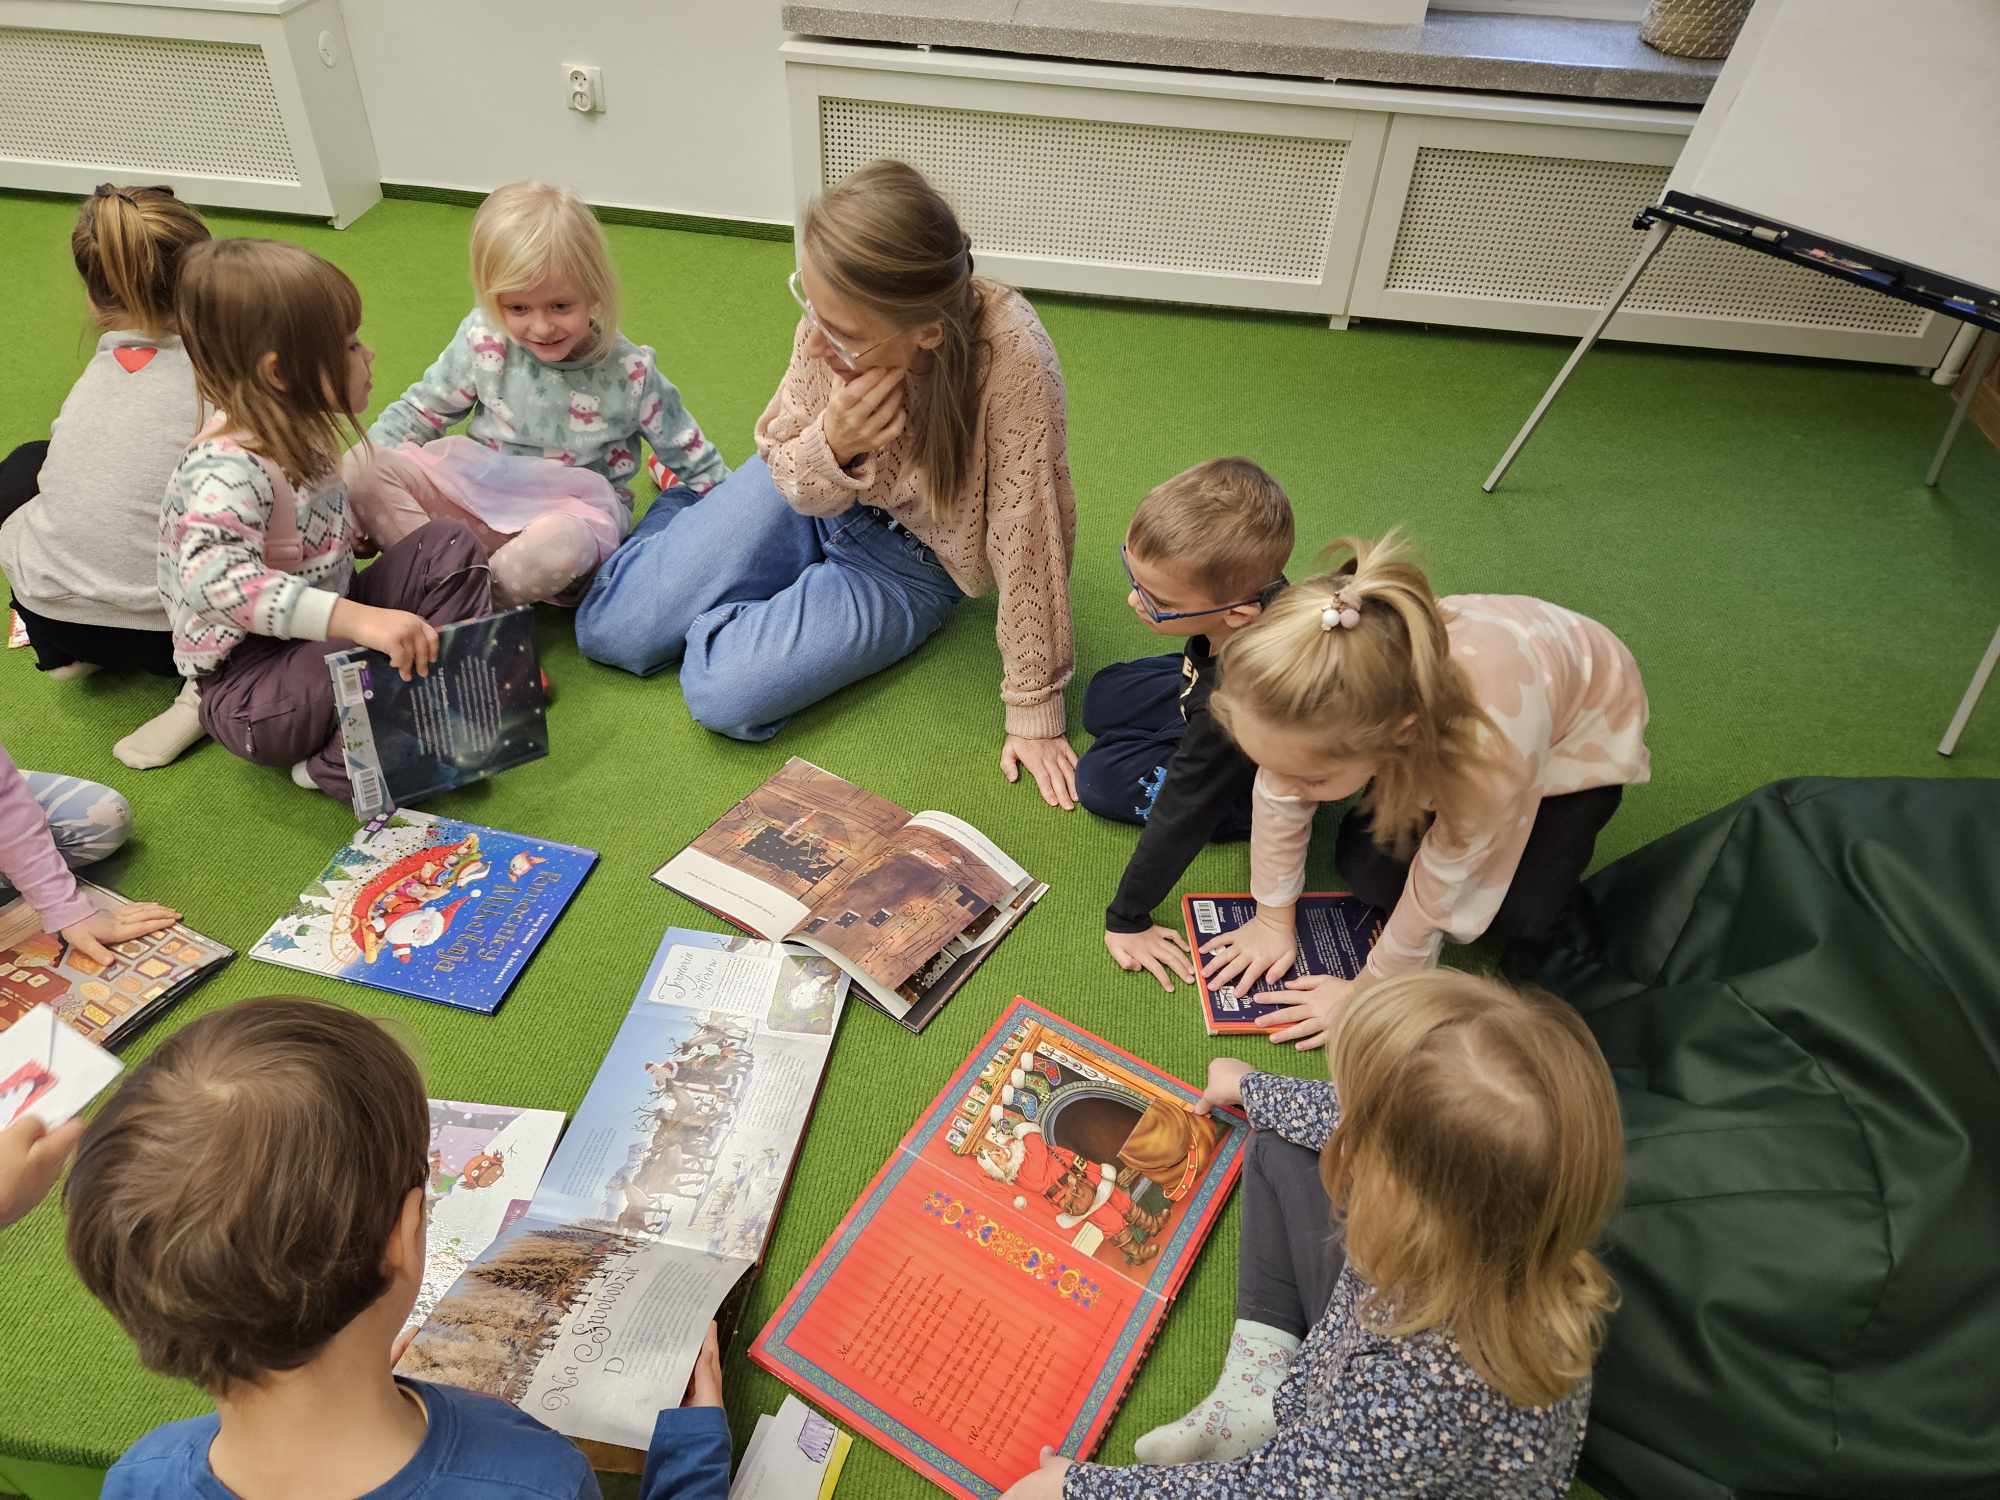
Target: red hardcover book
[[999, 1282]]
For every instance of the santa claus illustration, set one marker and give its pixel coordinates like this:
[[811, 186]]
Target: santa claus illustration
[[414, 929], [1073, 1191]]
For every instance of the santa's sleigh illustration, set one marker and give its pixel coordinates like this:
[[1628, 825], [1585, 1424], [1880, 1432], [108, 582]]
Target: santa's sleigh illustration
[[392, 912]]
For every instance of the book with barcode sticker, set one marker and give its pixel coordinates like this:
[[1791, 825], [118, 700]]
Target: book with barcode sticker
[[430, 907], [1335, 931], [481, 709]]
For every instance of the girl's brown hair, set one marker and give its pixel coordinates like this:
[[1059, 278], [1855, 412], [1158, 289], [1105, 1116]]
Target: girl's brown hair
[[885, 238], [232, 1203], [1478, 1157], [128, 244], [1385, 691], [243, 299]]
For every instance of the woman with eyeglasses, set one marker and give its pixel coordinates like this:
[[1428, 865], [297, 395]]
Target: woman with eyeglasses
[[914, 454]]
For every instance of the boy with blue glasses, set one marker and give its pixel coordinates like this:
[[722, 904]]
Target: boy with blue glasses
[[1205, 552]]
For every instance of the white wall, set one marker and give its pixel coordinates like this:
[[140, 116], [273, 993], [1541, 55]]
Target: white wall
[[470, 94]]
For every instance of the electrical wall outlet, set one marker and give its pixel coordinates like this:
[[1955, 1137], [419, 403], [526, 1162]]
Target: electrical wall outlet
[[585, 87]]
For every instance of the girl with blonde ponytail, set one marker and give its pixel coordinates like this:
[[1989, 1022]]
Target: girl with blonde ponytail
[[81, 511], [1418, 1304], [1490, 737], [914, 454]]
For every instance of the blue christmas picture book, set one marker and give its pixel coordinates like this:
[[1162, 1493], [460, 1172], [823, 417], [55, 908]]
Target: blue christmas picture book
[[1336, 931], [430, 907]]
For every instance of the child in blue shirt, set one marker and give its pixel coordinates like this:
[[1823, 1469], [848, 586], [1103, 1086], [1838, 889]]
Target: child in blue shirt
[[250, 1207]]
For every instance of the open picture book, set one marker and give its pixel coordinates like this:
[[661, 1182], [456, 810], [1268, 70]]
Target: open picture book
[[429, 907], [480, 709], [909, 904], [589, 1310], [998, 1283], [1336, 932], [106, 1003], [486, 1161]]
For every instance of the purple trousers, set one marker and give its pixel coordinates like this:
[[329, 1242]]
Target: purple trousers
[[271, 701]]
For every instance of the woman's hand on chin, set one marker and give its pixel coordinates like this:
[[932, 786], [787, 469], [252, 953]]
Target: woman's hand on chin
[[1051, 762]]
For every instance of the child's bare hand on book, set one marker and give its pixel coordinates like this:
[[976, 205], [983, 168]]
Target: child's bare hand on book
[[1052, 762], [1157, 950], [408, 640], [94, 933], [1225, 1085], [705, 1385], [31, 1158], [1046, 1483], [1261, 949], [1312, 1021]]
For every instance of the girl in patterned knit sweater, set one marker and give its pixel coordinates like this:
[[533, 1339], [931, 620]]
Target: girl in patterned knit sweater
[[1462, 1162], [256, 543], [1490, 737], [559, 400]]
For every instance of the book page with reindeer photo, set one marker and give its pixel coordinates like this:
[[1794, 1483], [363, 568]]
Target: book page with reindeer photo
[[589, 1312]]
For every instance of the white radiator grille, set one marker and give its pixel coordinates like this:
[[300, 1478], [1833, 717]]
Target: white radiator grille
[[1151, 196], [141, 104], [1501, 227]]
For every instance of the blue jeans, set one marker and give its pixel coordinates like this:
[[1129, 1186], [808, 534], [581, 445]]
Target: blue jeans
[[766, 610]]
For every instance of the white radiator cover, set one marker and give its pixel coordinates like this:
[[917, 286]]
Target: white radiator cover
[[1479, 211], [253, 107]]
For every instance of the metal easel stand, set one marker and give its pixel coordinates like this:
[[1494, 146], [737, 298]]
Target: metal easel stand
[[1656, 236], [1981, 361]]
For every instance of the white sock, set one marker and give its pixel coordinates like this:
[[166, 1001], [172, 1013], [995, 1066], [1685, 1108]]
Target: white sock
[[73, 671], [1236, 1417], [302, 777], [165, 736]]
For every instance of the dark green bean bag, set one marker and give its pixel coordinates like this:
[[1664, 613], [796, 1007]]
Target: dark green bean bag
[[1800, 999]]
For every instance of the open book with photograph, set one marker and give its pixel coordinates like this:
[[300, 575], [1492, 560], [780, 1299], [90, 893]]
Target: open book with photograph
[[1336, 932], [589, 1311], [909, 904], [1035, 1225], [105, 1002], [480, 709]]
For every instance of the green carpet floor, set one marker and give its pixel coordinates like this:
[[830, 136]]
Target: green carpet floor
[[1755, 528]]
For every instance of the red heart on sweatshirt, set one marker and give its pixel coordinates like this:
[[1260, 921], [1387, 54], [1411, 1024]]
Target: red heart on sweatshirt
[[134, 357]]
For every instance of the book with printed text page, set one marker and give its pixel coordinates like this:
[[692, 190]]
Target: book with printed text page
[[908, 904], [480, 710], [107, 1003], [998, 1284], [1336, 931], [588, 1311], [430, 907]]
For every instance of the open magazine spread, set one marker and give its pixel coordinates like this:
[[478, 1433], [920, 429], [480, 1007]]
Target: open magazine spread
[[486, 1160], [480, 709], [908, 904], [1336, 932], [105, 1002], [589, 1311], [997, 1285], [429, 907]]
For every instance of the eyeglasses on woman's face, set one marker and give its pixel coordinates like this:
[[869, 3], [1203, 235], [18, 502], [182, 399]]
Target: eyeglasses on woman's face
[[850, 357]]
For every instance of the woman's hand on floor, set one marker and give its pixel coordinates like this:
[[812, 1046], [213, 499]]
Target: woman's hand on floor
[[1312, 1021], [1051, 762], [1046, 1483], [1156, 950]]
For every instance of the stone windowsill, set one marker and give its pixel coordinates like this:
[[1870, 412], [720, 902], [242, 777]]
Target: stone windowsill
[[1452, 49]]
